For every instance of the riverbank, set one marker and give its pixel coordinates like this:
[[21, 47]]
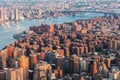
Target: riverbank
[[7, 31]]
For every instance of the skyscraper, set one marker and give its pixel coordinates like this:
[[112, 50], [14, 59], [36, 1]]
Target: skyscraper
[[14, 74], [23, 62], [42, 71], [83, 65], [113, 44], [51, 28], [16, 15], [32, 61], [3, 58], [74, 64], [3, 75], [93, 67], [11, 15], [59, 61], [2, 15]]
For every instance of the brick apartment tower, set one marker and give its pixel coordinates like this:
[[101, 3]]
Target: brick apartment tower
[[93, 68], [113, 44], [74, 64], [23, 62], [32, 61], [51, 29]]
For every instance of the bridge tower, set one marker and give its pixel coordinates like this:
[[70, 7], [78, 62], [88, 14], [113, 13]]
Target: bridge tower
[[38, 16]]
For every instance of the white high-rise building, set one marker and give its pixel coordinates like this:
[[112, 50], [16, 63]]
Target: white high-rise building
[[11, 15], [2, 14], [6, 17], [83, 65], [16, 15]]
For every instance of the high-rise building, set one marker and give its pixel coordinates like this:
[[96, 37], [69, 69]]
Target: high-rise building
[[2, 15], [78, 27], [113, 44], [11, 15], [42, 57], [23, 62], [11, 63], [67, 52], [18, 52], [49, 57], [82, 78], [58, 72], [51, 28], [91, 48], [39, 13], [3, 58], [3, 75], [60, 62], [16, 15], [42, 71], [10, 49], [14, 73], [93, 67], [77, 50], [38, 57], [1, 63], [86, 50], [81, 50], [6, 17], [60, 52], [108, 62], [67, 42], [89, 26], [84, 31], [74, 64], [32, 60], [83, 65], [66, 66]]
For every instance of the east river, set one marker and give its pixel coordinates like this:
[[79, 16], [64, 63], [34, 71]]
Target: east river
[[8, 29]]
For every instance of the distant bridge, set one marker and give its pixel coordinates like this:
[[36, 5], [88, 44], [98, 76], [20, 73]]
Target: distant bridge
[[74, 12]]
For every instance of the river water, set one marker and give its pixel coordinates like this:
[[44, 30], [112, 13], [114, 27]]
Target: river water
[[8, 29]]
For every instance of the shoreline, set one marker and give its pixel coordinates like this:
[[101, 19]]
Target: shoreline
[[65, 15], [55, 23]]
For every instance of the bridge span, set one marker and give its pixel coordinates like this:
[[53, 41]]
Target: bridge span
[[74, 12]]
